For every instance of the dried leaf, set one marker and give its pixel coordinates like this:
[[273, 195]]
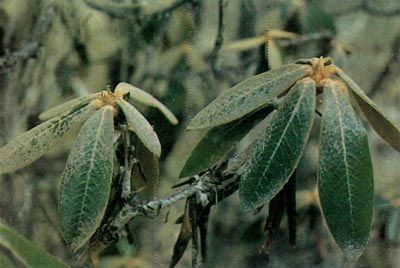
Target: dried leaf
[[382, 124], [145, 98], [248, 95], [86, 180], [147, 167], [32, 144], [138, 124], [345, 176], [184, 236], [274, 160]]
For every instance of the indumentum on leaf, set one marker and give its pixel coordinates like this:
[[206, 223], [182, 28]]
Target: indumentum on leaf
[[345, 177], [87, 177]]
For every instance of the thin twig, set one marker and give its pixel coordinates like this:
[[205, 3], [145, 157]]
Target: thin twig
[[135, 207], [219, 40], [32, 47]]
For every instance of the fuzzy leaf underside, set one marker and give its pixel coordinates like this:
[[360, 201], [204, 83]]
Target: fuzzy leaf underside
[[220, 140], [32, 144], [67, 106], [25, 251], [86, 180], [138, 124], [382, 125], [345, 177], [145, 98], [146, 173], [248, 95], [275, 158]]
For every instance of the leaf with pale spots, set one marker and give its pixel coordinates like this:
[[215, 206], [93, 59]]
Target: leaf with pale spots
[[345, 177], [138, 124], [248, 96], [32, 144], [275, 158], [86, 180], [382, 124]]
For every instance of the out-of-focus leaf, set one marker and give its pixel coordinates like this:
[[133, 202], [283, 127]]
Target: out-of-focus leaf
[[393, 225], [145, 98], [219, 141], [67, 106], [5, 261], [345, 177], [25, 251], [274, 54], [86, 180], [32, 144], [248, 95], [138, 124], [245, 44], [317, 20], [276, 157], [382, 125]]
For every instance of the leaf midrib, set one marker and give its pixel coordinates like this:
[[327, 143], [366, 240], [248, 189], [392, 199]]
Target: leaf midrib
[[295, 110], [91, 166], [349, 191]]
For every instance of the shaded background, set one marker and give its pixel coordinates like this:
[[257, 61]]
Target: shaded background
[[52, 51]]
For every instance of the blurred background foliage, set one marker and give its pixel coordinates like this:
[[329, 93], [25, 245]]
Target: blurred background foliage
[[52, 51]]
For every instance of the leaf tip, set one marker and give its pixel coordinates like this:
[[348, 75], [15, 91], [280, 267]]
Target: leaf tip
[[353, 250]]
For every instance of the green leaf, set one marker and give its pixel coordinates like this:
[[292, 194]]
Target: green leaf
[[138, 124], [275, 158], [220, 140], [382, 125], [67, 106], [86, 180], [248, 95], [25, 251], [145, 98], [5, 261], [32, 144], [345, 176]]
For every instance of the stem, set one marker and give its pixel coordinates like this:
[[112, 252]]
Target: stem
[[30, 50]]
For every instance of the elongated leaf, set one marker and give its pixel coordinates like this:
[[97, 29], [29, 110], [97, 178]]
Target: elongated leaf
[[25, 251], [219, 141], [274, 160], [32, 144], [138, 124], [5, 261], [345, 177], [145, 98], [382, 125], [67, 106], [86, 180], [248, 95], [245, 44]]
